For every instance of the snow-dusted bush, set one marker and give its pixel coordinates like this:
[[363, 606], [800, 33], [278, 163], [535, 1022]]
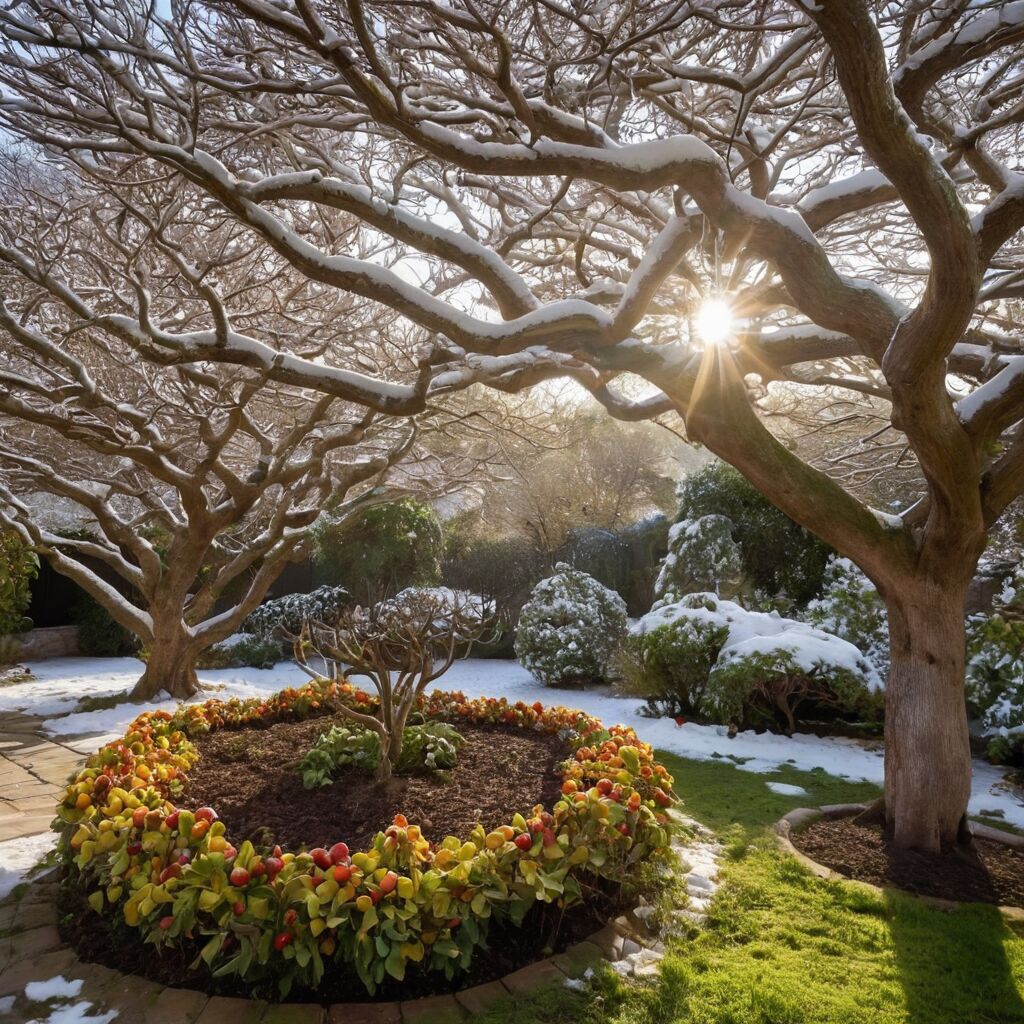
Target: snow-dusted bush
[[701, 556], [767, 663], [995, 669], [570, 629], [242, 650], [850, 607], [673, 662], [283, 617]]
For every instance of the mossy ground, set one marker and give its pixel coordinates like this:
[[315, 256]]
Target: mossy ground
[[784, 947]]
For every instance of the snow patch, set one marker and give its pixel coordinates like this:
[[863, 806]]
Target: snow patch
[[19, 856], [786, 789]]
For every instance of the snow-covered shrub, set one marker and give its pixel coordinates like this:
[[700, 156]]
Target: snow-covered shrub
[[850, 607], [995, 670], [765, 676], [283, 617], [674, 661], [242, 650], [701, 556], [570, 629], [767, 662], [779, 556]]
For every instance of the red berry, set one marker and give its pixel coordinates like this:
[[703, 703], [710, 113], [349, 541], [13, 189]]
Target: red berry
[[454, 922], [623, 828], [239, 877], [339, 852], [238, 909], [321, 858], [166, 922], [661, 798], [171, 821], [206, 814], [282, 939], [291, 916], [342, 873], [524, 841], [604, 786], [133, 848], [273, 865], [549, 837], [388, 883]]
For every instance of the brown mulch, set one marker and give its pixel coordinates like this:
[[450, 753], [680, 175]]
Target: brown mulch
[[250, 777], [988, 872]]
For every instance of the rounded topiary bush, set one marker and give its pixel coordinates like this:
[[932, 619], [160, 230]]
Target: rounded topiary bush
[[273, 918], [570, 629]]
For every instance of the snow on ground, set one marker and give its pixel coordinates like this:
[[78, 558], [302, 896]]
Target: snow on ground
[[785, 789], [18, 856], [62, 681]]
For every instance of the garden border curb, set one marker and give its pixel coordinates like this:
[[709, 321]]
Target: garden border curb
[[802, 817], [32, 949]]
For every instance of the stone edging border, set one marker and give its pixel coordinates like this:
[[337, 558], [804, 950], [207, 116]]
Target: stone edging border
[[31, 949], [802, 817]]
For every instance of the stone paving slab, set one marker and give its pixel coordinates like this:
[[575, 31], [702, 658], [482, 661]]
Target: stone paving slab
[[433, 1010]]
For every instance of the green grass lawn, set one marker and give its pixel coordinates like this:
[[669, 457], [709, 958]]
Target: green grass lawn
[[784, 947]]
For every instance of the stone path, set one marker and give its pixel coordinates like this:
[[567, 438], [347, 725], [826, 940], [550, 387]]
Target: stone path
[[33, 773]]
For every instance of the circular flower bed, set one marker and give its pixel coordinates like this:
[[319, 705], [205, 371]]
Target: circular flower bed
[[271, 915]]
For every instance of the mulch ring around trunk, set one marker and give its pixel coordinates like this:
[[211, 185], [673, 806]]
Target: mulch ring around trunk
[[989, 872], [250, 777]]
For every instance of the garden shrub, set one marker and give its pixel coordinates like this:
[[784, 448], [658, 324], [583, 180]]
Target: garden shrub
[[850, 607], [570, 629], [19, 565], [779, 556], [702, 556], [430, 746], [99, 634], [765, 676], [241, 650], [763, 663], [282, 618], [405, 904], [387, 548], [995, 671], [674, 662]]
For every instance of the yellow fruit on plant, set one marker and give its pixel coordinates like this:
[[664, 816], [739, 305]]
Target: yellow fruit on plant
[[406, 888], [217, 844], [363, 903], [328, 945], [82, 801]]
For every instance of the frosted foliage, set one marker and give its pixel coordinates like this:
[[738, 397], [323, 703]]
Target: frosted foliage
[[995, 660], [702, 555], [284, 616], [851, 608], [570, 628]]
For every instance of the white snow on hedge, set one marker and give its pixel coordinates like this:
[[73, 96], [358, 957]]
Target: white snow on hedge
[[752, 633]]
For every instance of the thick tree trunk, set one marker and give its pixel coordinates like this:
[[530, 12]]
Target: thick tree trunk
[[170, 666], [927, 751]]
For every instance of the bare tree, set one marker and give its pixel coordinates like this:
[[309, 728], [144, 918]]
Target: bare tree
[[401, 645], [566, 184]]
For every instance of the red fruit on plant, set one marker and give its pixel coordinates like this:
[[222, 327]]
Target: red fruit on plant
[[273, 865], [166, 922], [185, 858], [171, 821], [546, 819], [535, 826], [133, 848], [549, 837], [388, 883], [169, 872], [524, 841], [454, 922], [339, 852], [538, 707], [239, 877], [661, 798], [623, 828], [291, 916], [238, 909], [604, 786], [102, 784], [230, 853], [206, 814], [282, 939], [276, 851], [321, 858], [342, 873], [257, 869], [139, 816]]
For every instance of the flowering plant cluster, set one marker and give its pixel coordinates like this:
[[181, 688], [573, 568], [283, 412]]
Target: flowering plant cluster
[[269, 915]]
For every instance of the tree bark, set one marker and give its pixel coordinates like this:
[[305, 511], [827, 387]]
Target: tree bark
[[170, 666], [927, 749]]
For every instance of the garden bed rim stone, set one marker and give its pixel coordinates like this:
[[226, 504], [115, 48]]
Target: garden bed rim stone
[[618, 940], [801, 818]]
